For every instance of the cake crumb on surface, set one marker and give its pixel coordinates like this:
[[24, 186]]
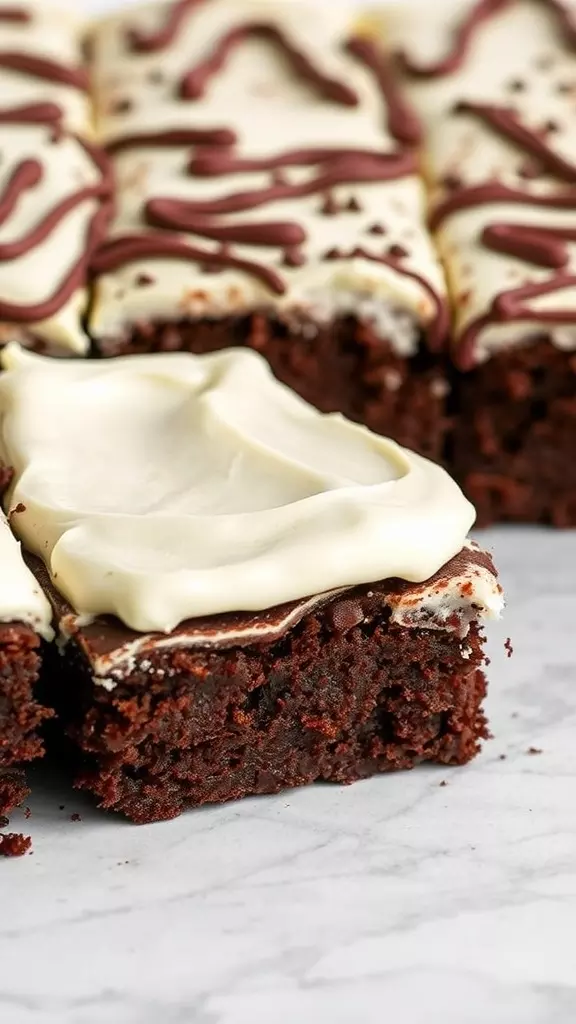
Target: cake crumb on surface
[[14, 844]]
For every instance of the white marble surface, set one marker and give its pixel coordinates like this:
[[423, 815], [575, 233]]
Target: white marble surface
[[396, 899]]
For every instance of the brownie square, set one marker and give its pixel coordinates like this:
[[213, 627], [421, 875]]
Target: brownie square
[[334, 689]]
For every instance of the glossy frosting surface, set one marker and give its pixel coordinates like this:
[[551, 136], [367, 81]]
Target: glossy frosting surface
[[161, 488]]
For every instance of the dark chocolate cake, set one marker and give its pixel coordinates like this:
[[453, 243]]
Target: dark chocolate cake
[[259, 595]]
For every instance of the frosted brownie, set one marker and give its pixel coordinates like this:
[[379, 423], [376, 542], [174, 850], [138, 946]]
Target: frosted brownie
[[54, 183], [250, 594], [25, 618], [268, 197], [494, 83]]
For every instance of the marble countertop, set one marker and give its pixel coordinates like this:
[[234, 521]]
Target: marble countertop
[[399, 898]]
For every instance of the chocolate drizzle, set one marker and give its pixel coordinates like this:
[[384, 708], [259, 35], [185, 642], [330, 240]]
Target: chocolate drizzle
[[463, 37], [139, 42], [496, 192], [341, 169], [544, 247], [47, 70], [195, 81], [466, 31], [129, 248], [26, 176], [15, 15], [336, 167], [402, 122], [32, 113], [29, 174], [175, 214], [174, 137], [215, 155], [440, 325], [507, 124]]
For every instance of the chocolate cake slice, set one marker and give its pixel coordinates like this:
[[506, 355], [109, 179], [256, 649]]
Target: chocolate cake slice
[[494, 83], [250, 595], [25, 618], [55, 184], [269, 197]]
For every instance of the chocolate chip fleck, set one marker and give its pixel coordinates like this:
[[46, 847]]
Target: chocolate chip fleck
[[397, 252], [376, 229], [451, 182], [333, 254], [329, 205], [293, 258], [123, 106], [516, 85], [144, 279], [353, 205], [551, 126], [529, 170]]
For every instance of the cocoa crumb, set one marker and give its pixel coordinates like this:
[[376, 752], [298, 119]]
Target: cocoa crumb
[[354, 205], [534, 750], [502, 757], [397, 252], [443, 783], [377, 229], [329, 206], [451, 182], [14, 844], [75, 817], [143, 280], [508, 647], [123, 106], [27, 813], [293, 257]]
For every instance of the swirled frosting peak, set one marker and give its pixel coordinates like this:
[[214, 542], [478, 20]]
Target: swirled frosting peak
[[161, 488]]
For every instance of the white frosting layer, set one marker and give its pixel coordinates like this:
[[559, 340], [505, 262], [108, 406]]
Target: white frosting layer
[[50, 34], [21, 599], [517, 60], [35, 276], [54, 33], [162, 488], [258, 96]]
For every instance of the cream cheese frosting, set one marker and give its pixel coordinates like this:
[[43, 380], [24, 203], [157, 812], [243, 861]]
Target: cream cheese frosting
[[359, 246], [21, 598], [52, 183], [511, 257], [40, 31], [162, 488]]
